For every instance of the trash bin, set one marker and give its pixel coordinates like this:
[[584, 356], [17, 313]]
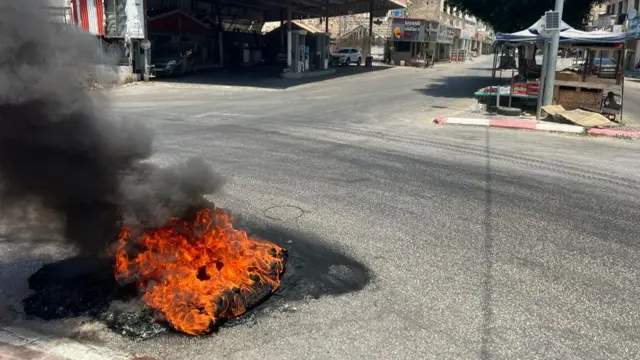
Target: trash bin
[[368, 61]]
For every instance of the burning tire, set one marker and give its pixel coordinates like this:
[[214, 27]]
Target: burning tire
[[194, 274]]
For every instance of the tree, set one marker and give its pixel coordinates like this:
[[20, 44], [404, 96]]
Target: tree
[[514, 15]]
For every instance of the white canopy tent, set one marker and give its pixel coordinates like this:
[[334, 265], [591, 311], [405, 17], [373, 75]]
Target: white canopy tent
[[568, 35]]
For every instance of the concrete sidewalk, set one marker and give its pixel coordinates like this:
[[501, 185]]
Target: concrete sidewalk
[[536, 126], [22, 344], [632, 74]]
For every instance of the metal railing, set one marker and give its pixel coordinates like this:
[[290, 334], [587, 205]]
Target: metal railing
[[60, 14], [604, 22]]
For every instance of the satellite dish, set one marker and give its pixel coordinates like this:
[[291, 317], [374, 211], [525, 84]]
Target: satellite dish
[[632, 14]]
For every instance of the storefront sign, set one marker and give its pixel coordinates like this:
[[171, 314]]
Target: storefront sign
[[445, 34], [416, 30], [407, 29], [466, 35], [135, 19], [431, 31]]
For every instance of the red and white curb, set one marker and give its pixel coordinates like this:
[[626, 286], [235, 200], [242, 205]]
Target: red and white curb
[[615, 132], [537, 126], [18, 343]]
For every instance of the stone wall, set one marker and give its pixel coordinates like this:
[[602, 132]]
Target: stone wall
[[420, 9], [347, 31], [341, 25], [111, 75], [425, 9]]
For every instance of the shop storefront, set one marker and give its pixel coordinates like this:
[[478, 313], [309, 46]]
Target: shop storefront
[[462, 45], [481, 44], [467, 37], [444, 42], [412, 41]]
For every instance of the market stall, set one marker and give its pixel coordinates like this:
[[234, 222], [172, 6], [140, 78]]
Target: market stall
[[593, 80]]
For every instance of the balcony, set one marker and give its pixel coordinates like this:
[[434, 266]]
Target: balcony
[[604, 22], [60, 14], [451, 20]]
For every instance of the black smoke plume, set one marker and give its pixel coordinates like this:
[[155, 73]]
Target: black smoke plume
[[61, 149]]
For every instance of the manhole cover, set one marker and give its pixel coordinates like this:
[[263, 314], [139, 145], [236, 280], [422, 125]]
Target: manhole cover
[[283, 212]]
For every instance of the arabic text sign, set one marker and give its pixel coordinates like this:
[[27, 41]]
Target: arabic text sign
[[407, 29], [445, 34], [135, 19]]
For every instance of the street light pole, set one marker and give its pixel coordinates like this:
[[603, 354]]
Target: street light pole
[[553, 58], [543, 78]]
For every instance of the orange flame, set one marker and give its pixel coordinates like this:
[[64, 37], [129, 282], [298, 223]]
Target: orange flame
[[193, 274]]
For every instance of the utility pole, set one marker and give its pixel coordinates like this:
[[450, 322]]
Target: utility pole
[[370, 27], [553, 58], [543, 78], [289, 28], [147, 51]]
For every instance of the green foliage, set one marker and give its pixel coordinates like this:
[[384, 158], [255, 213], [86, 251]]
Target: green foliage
[[514, 15]]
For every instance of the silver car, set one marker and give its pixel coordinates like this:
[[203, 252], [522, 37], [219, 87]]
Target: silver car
[[603, 67]]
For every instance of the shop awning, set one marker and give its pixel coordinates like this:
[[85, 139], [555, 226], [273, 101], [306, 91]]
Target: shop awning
[[176, 22]]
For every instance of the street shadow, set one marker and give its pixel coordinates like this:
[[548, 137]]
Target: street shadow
[[313, 268], [263, 76], [456, 87]]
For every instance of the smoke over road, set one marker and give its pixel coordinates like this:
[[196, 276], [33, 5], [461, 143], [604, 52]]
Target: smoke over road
[[61, 149]]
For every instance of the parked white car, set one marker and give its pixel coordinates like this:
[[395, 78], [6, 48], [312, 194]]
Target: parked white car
[[346, 56]]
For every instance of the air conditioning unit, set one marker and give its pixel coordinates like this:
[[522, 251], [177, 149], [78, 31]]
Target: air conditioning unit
[[551, 20]]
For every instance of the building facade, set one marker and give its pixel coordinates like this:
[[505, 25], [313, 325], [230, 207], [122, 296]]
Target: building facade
[[609, 16], [618, 16], [470, 35], [60, 11]]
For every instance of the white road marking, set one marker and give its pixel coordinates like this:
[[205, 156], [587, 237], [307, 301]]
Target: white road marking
[[215, 113]]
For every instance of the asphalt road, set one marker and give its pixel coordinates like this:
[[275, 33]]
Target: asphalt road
[[632, 102], [481, 244]]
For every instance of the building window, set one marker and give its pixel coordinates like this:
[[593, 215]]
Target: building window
[[620, 8], [637, 4], [608, 9], [613, 9]]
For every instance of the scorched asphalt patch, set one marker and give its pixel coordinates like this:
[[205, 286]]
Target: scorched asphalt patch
[[85, 286]]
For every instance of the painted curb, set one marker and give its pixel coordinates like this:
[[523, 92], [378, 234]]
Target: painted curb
[[614, 132], [574, 129], [440, 120], [532, 125], [514, 124]]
